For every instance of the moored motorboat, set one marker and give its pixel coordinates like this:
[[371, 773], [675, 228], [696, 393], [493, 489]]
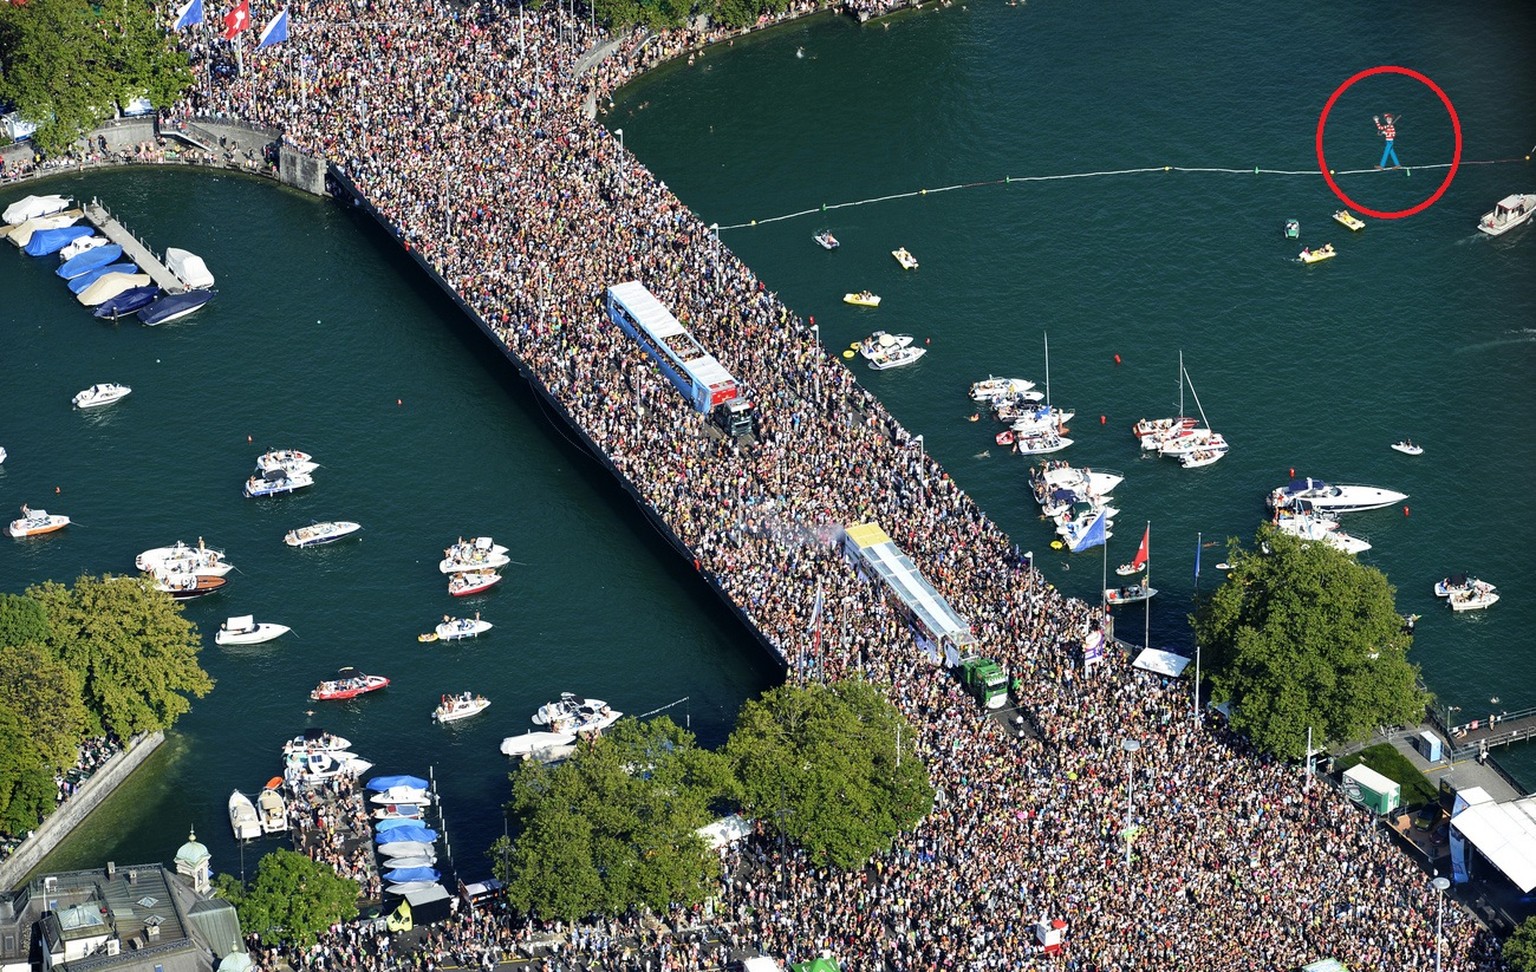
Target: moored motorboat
[[46, 242], [1407, 448], [98, 395], [472, 582], [243, 818], [1317, 527], [1349, 219], [1480, 595], [21, 234], [1127, 570], [826, 240], [895, 357], [272, 809], [1205, 455], [312, 767], [1508, 213], [188, 267], [80, 246], [476, 554], [453, 629], [905, 258], [317, 740], [992, 387], [173, 307], [185, 587], [88, 279], [35, 523], [1034, 418], [246, 630], [862, 298], [126, 302], [318, 533], [402, 793], [181, 558], [1039, 442], [276, 482], [349, 683], [1343, 498], [1129, 594], [881, 341], [399, 811], [1459, 582], [89, 258], [288, 460], [32, 207], [1292, 229], [109, 286], [452, 708], [1324, 252]]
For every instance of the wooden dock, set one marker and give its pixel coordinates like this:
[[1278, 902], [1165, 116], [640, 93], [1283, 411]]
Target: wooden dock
[[133, 248], [1476, 737]]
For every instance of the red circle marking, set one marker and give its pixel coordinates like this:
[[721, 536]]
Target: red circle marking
[[1322, 162]]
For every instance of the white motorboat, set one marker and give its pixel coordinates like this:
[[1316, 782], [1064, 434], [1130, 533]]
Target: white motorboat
[[472, 582], [1074, 533], [1477, 597], [452, 629], [21, 233], [1315, 494], [1508, 213], [276, 482], [1185, 442], [1042, 417], [402, 794], [1459, 582], [1084, 510], [478, 554], [243, 817], [1154, 428], [1059, 474], [1016, 406], [421, 860], [826, 240], [272, 810], [410, 887], [80, 246], [568, 719], [452, 708], [179, 557], [1039, 442], [288, 460], [1206, 455], [246, 630], [2, 453], [895, 357], [1407, 448], [905, 258], [398, 850], [32, 207], [185, 586], [881, 342], [98, 395], [1128, 570], [1321, 529], [545, 747], [312, 766], [992, 387], [318, 533], [35, 523], [400, 811], [189, 268], [1129, 594], [318, 741]]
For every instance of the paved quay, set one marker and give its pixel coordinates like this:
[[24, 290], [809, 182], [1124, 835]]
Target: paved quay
[[526, 212]]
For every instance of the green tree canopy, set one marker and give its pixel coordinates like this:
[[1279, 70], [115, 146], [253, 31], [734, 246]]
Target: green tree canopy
[[1520, 948], [614, 826], [1302, 635], [137, 654], [41, 715], [820, 763], [67, 64], [293, 897], [22, 621]]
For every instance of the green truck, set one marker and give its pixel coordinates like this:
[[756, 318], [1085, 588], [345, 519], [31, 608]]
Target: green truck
[[984, 678]]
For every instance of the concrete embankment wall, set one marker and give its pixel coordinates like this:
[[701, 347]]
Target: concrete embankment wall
[[558, 413], [51, 832]]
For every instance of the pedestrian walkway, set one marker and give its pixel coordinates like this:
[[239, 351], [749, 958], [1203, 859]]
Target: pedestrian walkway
[[133, 248]]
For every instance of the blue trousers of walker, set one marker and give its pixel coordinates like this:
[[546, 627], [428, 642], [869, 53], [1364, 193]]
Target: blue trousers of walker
[[1388, 153]]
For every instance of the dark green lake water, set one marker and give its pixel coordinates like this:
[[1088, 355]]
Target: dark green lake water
[[1420, 327]]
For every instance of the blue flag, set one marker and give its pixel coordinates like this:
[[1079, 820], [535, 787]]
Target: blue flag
[[189, 15], [1093, 536], [275, 32], [1198, 537]]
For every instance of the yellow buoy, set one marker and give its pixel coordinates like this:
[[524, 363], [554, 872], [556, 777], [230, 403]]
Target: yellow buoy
[[1055, 544], [848, 354]]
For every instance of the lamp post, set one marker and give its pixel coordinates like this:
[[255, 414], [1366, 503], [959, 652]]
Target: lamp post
[[619, 132], [1130, 746], [1441, 885]]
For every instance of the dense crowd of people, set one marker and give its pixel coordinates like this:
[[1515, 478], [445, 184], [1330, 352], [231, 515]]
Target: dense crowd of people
[[467, 128]]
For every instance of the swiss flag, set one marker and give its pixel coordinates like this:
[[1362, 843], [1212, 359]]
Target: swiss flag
[[237, 20]]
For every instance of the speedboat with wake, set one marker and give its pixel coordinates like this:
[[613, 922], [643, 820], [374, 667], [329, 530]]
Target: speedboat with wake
[[35, 523], [246, 630], [1302, 494], [317, 533], [173, 307], [103, 394]]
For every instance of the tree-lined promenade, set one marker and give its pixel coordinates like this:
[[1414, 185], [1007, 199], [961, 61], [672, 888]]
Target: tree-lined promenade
[[465, 127]]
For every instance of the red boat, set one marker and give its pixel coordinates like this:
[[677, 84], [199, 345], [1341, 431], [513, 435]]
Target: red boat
[[349, 683], [473, 582]]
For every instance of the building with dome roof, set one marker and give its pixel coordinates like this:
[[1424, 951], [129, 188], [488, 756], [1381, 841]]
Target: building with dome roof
[[143, 918]]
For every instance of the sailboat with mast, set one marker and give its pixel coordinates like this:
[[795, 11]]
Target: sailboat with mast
[[1203, 446], [1041, 429]]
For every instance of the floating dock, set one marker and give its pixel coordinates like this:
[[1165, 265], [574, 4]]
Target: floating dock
[[133, 248]]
